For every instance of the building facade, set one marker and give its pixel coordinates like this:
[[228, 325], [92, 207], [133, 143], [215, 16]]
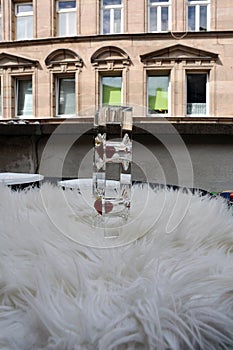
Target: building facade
[[168, 59], [67, 58]]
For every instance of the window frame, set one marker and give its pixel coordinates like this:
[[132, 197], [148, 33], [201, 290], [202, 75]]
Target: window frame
[[58, 78], [158, 73], [16, 94], [112, 8], [197, 4], [159, 6], [24, 14], [70, 10], [206, 114]]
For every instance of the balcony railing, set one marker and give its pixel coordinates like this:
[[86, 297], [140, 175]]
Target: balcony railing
[[196, 108]]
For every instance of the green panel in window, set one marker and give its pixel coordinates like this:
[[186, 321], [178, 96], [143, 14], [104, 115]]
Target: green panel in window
[[151, 102], [159, 101], [111, 95]]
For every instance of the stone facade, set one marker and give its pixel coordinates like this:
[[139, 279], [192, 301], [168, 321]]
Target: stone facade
[[136, 51]]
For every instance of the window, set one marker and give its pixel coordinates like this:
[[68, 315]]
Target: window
[[157, 94], [196, 94], [24, 21], [198, 15], [111, 90], [112, 16], [66, 18], [24, 105], [64, 66], [66, 96], [159, 15]]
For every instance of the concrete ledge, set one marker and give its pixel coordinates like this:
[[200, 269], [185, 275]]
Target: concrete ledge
[[80, 126]]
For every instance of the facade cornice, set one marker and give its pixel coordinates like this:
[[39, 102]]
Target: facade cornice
[[118, 37], [141, 125]]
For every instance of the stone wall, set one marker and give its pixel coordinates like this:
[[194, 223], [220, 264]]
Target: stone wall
[[160, 157]]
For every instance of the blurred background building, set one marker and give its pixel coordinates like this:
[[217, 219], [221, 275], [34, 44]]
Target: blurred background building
[[62, 60]]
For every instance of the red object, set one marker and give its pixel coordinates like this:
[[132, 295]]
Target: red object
[[100, 150], [98, 206], [231, 196], [110, 150]]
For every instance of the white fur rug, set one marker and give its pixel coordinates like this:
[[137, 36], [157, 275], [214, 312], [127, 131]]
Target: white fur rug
[[169, 289]]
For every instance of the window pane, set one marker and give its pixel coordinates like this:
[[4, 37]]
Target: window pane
[[158, 94], [203, 18], [24, 8], [117, 21], [66, 96], [196, 93], [111, 90], [66, 5], [24, 97], [106, 21], [112, 2], [164, 19], [153, 19], [191, 18], [67, 23], [24, 27]]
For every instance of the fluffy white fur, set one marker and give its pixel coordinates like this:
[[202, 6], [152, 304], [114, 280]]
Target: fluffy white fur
[[168, 289]]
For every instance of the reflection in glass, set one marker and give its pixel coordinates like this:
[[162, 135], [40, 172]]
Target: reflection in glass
[[24, 21], [153, 19], [106, 21], [117, 21], [66, 23], [159, 17], [66, 96], [111, 90], [112, 16], [191, 18], [197, 16], [203, 18], [157, 87], [66, 5], [164, 18], [24, 97]]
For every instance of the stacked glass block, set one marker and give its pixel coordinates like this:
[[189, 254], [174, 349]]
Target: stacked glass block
[[112, 168]]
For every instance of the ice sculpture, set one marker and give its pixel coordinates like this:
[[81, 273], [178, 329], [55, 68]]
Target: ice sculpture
[[112, 168]]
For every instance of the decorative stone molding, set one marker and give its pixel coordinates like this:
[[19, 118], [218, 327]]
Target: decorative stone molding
[[13, 63], [63, 60], [110, 58], [189, 56]]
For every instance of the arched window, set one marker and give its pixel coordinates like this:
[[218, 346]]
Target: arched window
[[64, 66], [111, 64]]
